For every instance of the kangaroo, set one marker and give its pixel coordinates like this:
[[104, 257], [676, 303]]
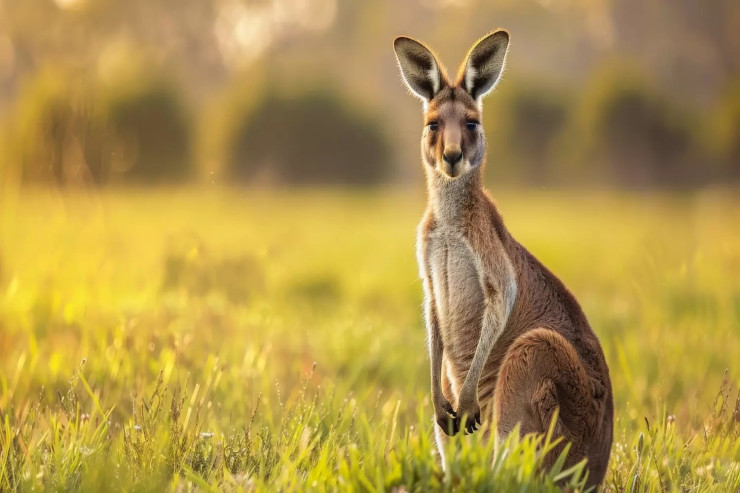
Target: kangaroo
[[508, 342]]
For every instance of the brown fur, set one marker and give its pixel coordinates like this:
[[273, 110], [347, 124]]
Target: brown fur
[[508, 342]]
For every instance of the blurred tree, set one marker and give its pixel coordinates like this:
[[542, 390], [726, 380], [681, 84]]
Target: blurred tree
[[635, 135], [69, 131], [523, 122], [52, 126], [311, 138], [724, 133], [146, 131]]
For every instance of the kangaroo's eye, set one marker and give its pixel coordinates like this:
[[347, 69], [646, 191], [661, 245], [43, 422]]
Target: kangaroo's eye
[[472, 125], [433, 126]]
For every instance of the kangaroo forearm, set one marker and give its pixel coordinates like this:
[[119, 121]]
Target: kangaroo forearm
[[497, 281], [435, 349], [436, 371], [434, 341], [491, 329]]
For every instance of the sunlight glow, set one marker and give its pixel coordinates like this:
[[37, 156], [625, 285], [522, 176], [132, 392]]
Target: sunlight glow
[[70, 4], [244, 31]]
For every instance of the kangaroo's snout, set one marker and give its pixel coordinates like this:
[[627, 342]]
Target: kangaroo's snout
[[453, 156]]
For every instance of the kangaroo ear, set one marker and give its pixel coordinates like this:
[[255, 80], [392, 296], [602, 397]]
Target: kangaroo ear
[[484, 64], [419, 68]]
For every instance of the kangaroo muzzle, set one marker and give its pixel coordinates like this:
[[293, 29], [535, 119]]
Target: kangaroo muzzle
[[452, 162]]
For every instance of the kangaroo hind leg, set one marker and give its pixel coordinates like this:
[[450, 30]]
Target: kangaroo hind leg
[[542, 374]]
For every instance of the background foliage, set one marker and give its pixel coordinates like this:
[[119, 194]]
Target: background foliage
[[148, 92]]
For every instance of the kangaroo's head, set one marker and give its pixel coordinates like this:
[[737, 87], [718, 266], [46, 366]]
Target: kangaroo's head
[[453, 142]]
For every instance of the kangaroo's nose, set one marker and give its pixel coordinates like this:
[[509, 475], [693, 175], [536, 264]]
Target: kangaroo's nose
[[452, 157]]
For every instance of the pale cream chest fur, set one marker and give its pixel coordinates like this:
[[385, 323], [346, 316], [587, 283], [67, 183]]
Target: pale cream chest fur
[[457, 293]]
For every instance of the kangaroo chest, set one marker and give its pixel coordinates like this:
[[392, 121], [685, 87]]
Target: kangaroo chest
[[458, 295]]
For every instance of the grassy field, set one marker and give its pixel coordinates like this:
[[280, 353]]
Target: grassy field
[[222, 340]]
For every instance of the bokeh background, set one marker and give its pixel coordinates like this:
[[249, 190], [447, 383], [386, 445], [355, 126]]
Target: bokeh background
[[207, 226], [625, 93]]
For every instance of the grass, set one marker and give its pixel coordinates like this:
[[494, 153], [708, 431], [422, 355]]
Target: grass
[[205, 340]]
